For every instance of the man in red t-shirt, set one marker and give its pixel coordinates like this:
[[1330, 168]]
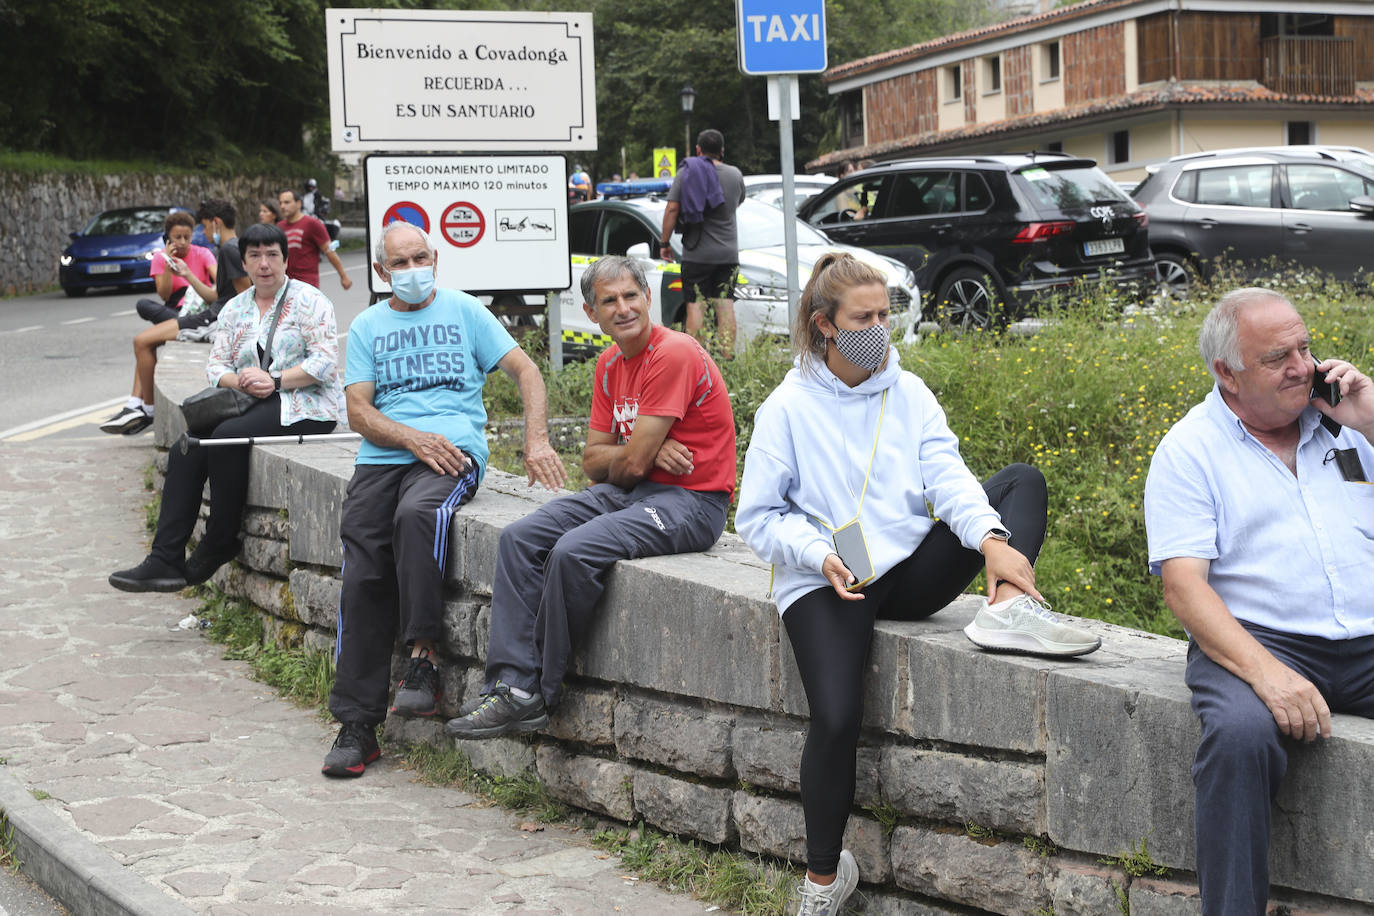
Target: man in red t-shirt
[[661, 455], [306, 240]]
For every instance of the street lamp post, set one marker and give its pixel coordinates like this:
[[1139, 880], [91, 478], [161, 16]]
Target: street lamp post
[[689, 99]]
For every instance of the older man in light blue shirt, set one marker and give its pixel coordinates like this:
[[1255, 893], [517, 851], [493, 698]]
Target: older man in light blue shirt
[[1261, 523]]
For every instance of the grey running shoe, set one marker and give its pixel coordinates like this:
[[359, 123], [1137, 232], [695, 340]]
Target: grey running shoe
[[828, 899], [1023, 624], [418, 693], [354, 748], [500, 713]]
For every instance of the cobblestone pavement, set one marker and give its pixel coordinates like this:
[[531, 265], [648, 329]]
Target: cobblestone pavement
[[200, 780]]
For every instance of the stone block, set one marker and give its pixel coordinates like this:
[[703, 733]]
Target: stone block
[[415, 731], [1163, 897], [316, 597], [1004, 795], [585, 715], [603, 786], [685, 625], [314, 501], [269, 470], [684, 808], [269, 593], [500, 756], [1083, 888], [1002, 877], [871, 902], [318, 641], [266, 523], [1121, 743], [773, 826], [767, 753], [265, 555], [460, 628], [674, 735]]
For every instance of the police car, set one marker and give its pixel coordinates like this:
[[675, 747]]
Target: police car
[[627, 220]]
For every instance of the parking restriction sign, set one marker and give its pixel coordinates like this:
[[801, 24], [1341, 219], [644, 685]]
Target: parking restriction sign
[[462, 224]]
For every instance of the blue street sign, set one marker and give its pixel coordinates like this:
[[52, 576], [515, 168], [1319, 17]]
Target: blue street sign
[[781, 36]]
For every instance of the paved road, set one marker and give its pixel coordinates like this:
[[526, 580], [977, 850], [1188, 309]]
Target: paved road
[[21, 897], [70, 361]]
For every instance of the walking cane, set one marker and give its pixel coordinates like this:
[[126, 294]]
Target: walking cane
[[188, 441]]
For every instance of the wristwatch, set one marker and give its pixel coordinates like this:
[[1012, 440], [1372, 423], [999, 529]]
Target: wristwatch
[[1000, 534], [276, 381]]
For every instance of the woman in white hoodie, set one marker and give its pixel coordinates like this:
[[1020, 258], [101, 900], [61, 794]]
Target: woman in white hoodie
[[844, 456]]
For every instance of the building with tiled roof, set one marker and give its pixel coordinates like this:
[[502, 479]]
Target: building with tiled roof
[[1125, 82]]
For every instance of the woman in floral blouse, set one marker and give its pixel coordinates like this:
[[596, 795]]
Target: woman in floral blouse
[[298, 391]]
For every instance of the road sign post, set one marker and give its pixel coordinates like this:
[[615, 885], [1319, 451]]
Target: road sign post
[[779, 39]]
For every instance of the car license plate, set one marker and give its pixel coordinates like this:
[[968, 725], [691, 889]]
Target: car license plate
[[103, 269], [1104, 246]]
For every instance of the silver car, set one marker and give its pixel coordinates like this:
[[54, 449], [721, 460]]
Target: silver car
[[1304, 206]]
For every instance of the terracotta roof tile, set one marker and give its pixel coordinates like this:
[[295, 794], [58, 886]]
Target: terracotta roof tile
[[1163, 96]]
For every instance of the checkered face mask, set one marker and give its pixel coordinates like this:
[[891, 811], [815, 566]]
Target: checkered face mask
[[865, 348]]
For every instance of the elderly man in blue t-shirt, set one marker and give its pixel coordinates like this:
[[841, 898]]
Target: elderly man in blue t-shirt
[[1259, 511], [413, 383]]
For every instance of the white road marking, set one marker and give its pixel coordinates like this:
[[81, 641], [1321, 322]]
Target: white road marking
[[123, 313], [32, 327], [89, 413], [78, 320]]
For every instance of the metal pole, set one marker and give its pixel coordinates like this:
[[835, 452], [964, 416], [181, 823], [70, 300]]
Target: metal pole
[[553, 320], [188, 441], [783, 85]]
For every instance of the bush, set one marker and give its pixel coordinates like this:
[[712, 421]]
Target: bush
[[1085, 398]]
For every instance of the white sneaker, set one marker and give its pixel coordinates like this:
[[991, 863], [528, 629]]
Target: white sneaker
[[1023, 624], [827, 899]]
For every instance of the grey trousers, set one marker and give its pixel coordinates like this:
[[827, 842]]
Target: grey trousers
[[1242, 758], [394, 527], [551, 569]]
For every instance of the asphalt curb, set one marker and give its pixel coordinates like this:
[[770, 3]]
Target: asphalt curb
[[76, 871]]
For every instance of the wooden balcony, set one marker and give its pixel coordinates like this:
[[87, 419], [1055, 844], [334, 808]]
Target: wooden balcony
[[1309, 66]]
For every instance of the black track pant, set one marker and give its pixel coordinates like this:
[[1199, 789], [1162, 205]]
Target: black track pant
[[226, 467], [831, 637], [395, 530]]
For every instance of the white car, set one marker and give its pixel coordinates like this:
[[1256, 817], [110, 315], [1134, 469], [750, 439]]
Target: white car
[[631, 225], [768, 188]]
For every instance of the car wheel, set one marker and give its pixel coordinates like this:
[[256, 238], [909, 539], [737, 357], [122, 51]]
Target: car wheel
[[1175, 274], [969, 298], [75, 292]]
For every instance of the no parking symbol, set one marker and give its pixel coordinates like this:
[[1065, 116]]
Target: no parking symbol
[[462, 224]]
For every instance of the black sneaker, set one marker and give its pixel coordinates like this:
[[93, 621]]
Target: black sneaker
[[152, 575], [354, 748], [500, 713], [128, 421], [418, 693], [204, 561]]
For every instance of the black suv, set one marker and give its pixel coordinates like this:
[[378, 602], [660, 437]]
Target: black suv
[[1307, 206], [984, 230]]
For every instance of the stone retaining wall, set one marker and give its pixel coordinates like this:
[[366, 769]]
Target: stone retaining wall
[[685, 710], [38, 211]]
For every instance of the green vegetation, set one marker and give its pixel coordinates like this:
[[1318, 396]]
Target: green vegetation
[[9, 859], [39, 794], [452, 768], [1042, 846], [210, 89], [1137, 863], [749, 886], [301, 675], [1085, 399]]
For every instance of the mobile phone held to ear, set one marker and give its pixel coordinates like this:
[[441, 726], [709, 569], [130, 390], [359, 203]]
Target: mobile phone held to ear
[[1330, 392]]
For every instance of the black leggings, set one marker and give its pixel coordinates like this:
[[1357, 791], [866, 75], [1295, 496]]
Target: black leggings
[[831, 637], [226, 467]]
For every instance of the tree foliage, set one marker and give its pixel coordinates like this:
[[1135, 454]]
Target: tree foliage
[[207, 85]]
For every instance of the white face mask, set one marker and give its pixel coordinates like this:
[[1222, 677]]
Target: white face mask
[[865, 348], [414, 285]]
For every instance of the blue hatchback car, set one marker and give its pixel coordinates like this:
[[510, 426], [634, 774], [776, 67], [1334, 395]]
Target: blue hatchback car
[[116, 249]]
